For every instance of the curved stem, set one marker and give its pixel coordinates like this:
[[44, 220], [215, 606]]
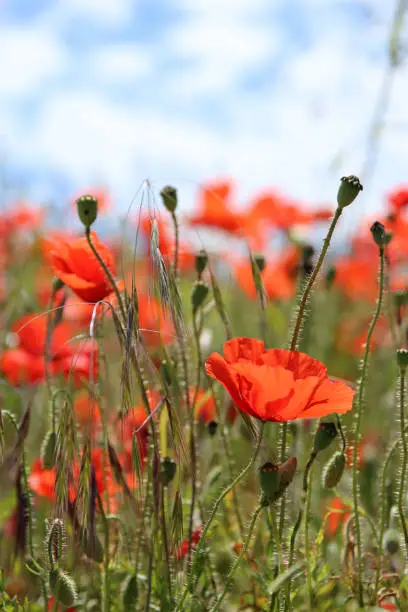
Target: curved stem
[[358, 418], [239, 558], [217, 503], [404, 457], [295, 340], [106, 270]]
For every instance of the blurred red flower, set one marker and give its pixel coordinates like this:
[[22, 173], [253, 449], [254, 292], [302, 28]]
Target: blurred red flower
[[214, 208], [277, 384], [76, 266], [183, 549], [338, 514], [398, 198]]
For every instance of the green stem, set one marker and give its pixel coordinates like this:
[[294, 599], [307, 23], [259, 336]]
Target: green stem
[[106, 577], [238, 559], [217, 503], [404, 457], [106, 270], [307, 543], [177, 244], [279, 565], [298, 523], [383, 512], [358, 419], [295, 340]]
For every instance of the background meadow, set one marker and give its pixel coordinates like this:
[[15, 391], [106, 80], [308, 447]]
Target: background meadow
[[155, 455]]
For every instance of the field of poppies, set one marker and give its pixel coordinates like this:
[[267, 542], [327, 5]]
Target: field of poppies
[[192, 426]]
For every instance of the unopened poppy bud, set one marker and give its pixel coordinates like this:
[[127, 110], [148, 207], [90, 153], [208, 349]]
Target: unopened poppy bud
[[168, 470], [260, 261], [325, 434], [63, 587], [49, 450], [130, 592], [378, 232], [269, 477], [201, 261], [169, 197], [391, 541], [402, 358], [199, 293], [55, 542], [330, 276], [212, 428], [87, 209], [333, 470], [287, 472], [349, 189]]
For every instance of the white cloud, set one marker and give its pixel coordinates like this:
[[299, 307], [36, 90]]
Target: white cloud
[[111, 13], [120, 63], [31, 56]]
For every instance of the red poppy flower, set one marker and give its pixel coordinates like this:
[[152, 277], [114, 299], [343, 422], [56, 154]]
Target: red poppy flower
[[338, 514], [51, 604], [126, 428], [87, 412], [398, 198], [75, 265], [205, 409], [277, 384], [22, 215], [155, 324], [183, 549], [214, 208], [26, 362]]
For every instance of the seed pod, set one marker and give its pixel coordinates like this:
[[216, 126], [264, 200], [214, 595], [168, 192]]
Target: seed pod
[[349, 189], [201, 261], [168, 470], [130, 592], [49, 450], [169, 197], [260, 261], [391, 541], [63, 587], [198, 295], [269, 478], [212, 428], [333, 470], [325, 434], [55, 542], [87, 207], [402, 358], [378, 232]]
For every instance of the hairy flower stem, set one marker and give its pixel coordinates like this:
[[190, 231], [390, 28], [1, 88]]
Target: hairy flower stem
[[404, 458], [220, 498], [176, 245], [239, 558], [298, 523], [357, 428], [106, 577], [383, 510], [295, 340], [106, 270], [307, 543]]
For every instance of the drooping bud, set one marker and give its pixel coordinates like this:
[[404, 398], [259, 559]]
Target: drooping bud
[[269, 477], [260, 261], [57, 284], [378, 232], [55, 542], [349, 189], [49, 450], [402, 358], [287, 472], [63, 587], [168, 470], [130, 592], [169, 197], [201, 261], [212, 428], [330, 276], [391, 541], [333, 470], [87, 207], [325, 434], [198, 295], [307, 259]]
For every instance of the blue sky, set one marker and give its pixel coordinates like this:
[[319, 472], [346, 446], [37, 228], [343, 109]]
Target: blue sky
[[271, 92]]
